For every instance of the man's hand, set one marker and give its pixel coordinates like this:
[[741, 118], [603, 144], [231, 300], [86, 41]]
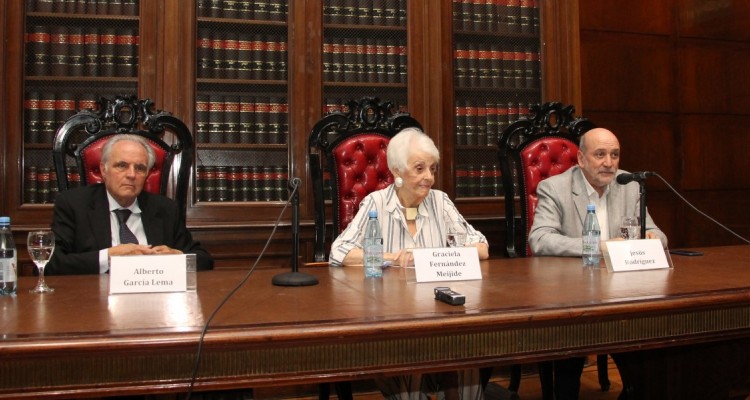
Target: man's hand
[[140, 249]]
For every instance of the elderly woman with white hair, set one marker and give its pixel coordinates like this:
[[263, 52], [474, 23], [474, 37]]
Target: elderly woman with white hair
[[412, 214]]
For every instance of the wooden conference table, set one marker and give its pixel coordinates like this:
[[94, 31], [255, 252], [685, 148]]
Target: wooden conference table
[[79, 341]]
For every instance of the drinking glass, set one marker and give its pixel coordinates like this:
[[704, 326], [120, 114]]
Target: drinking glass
[[630, 228], [41, 244]]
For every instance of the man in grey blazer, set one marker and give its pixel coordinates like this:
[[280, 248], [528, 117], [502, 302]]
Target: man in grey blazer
[[558, 221]]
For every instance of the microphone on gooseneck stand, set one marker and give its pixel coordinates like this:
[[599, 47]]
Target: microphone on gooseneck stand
[[640, 177], [295, 183], [294, 278]]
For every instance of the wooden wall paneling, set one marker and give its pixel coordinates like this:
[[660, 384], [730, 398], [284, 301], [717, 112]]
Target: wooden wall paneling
[[713, 77], [626, 72], [561, 52], [715, 146], [723, 19], [727, 207], [639, 16]]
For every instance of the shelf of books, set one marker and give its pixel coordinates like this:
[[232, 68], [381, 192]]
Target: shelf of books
[[75, 52], [497, 76], [364, 54], [241, 106]]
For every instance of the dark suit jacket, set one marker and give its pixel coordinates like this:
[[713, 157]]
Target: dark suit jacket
[[82, 228]]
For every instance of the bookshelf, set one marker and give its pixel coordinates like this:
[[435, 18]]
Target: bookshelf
[[251, 78]]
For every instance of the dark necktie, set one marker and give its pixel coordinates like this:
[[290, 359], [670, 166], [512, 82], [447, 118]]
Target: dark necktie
[[126, 236]]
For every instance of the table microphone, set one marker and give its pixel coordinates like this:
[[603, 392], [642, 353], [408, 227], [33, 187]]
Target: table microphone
[[624, 179], [294, 278]]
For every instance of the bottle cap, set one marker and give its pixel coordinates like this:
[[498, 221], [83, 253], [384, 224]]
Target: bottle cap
[[590, 207], [4, 220], [373, 213]]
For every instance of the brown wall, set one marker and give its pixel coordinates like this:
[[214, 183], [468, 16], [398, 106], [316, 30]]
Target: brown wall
[[672, 79]]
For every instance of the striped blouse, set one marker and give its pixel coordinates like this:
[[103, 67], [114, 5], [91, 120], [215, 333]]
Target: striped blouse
[[435, 215]]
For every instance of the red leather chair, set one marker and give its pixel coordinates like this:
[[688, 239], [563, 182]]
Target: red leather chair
[[531, 149], [79, 142], [350, 148]]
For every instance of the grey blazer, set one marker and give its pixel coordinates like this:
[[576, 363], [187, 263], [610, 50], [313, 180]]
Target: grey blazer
[[558, 219]]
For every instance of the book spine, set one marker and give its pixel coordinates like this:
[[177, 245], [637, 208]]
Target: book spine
[[244, 56], [272, 56], [233, 184], [91, 52], [47, 117], [471, 123], [125, 52], [65, 107], [350, 12], [361, 60], [261, 9], [390, 11], [262, 131], [371, 60], [107, 42], [275, 134], [392, 56], [38, 50], [282, 65], [229, 9], [350, 59], [30, 184], [278, 10], [221, 189], [403, 66], [460, 124], [218, 56], [205, 48], [43, 185], [59, 51], [231, 119], [201, 118], [247, 120], [245, 188], [491, 126], [76, 51], [231, 55], [258, 55], [32, 123], [215, 119]]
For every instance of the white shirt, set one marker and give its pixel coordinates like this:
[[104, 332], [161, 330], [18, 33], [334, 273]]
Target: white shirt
[[134, 223], [435, 215], [601, 207]]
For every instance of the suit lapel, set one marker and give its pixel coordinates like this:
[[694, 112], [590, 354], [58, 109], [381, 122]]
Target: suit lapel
[[99, 211], [152, 220], [580, 197]]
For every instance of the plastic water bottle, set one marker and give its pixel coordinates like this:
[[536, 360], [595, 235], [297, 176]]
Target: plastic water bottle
[[373, 247], [7, 259], [591, 236]]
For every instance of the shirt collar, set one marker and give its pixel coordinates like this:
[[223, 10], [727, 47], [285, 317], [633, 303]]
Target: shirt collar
[[590, 191], [114, 205], [394, 207]]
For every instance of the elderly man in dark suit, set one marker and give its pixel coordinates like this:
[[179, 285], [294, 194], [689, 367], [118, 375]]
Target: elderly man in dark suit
[[117, 217]]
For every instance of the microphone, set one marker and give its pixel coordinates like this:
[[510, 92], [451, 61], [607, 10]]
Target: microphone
[[294, 278], [624, 179]]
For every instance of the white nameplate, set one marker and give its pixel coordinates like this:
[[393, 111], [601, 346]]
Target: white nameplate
[[634, 255], [147, 273], [446, 264]]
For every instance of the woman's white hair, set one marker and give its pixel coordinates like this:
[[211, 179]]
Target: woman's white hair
[[405, 143]]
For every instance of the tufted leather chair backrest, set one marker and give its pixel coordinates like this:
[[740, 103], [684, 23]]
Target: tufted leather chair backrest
[[541, 159], [91, 156], [535, 147], [361, 167]]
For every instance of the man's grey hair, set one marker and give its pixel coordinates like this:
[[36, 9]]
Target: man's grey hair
[[133, 138], [405, 143]]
